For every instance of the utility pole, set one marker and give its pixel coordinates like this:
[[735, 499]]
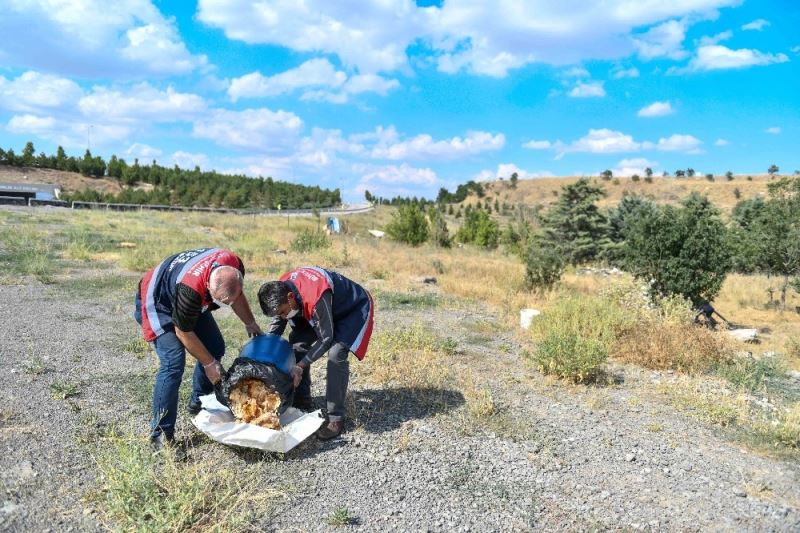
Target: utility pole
[[89, 137]]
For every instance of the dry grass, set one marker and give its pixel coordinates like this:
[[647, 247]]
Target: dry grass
[[663, 190], [663, 345]]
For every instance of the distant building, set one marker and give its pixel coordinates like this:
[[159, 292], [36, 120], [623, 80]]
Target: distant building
[[39, 191]]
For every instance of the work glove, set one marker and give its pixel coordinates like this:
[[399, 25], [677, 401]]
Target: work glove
[[213, 372], [297, 375], [253, 330]]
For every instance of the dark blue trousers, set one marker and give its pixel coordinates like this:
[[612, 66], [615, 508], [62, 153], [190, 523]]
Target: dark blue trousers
[[172, 359]]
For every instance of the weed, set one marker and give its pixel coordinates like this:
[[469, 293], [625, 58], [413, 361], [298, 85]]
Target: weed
[[341, 517], [449, 346], [61, 390], [140, 491], [570, 356], [379, 274], [309, 241], [748, 373], [26, 252], [99, 286], [438, 266], [137, 346], [395, 300], [35, 367], [480, 401], [459, 476], [655, 428]]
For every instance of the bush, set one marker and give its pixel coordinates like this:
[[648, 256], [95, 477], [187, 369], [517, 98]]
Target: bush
[[543, 267], [440, 235], [572, 357], [479, 229], [681, 251], [408, 225], [310, 240], [574, 336]]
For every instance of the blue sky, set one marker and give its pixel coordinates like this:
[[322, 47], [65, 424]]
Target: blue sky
[[398, 97]]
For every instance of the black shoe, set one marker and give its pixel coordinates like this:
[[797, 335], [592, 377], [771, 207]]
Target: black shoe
[[303, 403], [330, 430], [194, 407], [158, 443]]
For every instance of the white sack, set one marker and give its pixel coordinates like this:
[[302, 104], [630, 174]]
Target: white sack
[[217, 421]]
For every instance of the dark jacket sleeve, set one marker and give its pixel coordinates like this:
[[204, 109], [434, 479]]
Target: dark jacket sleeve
[[187, 309], [277, 326], [323, 327]]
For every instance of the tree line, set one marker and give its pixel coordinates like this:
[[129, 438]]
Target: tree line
[[174, 185], [684, 250]]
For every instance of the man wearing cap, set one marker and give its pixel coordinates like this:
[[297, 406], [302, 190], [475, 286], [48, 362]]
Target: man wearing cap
[[328, 313], [173, 306]]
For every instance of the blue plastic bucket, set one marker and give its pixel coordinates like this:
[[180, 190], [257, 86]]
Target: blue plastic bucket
[[270, 349]]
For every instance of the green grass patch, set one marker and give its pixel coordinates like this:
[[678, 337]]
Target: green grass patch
[[310, 240], [748, 373], [341, 517], [402, 300], [61, 390], [26, 252], [140, 491], [99, 286]]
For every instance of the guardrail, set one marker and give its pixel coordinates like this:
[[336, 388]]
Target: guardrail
[[12, 200], [177, 208]]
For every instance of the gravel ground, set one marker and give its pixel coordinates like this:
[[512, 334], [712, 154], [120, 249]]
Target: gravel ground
[[560, 458]]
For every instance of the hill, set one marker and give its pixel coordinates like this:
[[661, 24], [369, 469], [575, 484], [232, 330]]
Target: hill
[[722, 192], [68, 182]]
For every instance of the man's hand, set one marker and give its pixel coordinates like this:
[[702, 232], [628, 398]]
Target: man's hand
[[253, 330], [213, 372], [297, 375]]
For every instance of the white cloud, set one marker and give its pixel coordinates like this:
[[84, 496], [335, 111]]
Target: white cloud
[[403, 174], [629, 167], [31, 124], [576, 72], [721, 142], [90, 38], [756, 25], [607, 141], [656, 109], [774, 130], [34, 91], [795, 49], [358, 84], [505, 170], [718, 57], [141, 102], [425, 147], [601, 141], [487, 38], [538, 145], [258, 129], [715, 39], [68, 132], [620, 73], [664, 40], [677, 143], [159, 48], [143, 151], [588, 90], [189, 160], [312, 73]]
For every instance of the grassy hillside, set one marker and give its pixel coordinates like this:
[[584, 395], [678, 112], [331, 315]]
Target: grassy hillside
[[670, 190]]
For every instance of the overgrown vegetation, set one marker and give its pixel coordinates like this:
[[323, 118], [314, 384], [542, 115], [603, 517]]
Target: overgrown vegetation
[[140, 491], [309, 241]]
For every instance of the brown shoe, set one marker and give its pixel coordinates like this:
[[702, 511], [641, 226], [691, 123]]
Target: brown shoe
[[330, 430]]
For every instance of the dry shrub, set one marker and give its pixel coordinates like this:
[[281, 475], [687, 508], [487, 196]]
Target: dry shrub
[[666, 345]]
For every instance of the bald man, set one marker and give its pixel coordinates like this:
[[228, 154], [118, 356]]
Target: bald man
[[173, 305]]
